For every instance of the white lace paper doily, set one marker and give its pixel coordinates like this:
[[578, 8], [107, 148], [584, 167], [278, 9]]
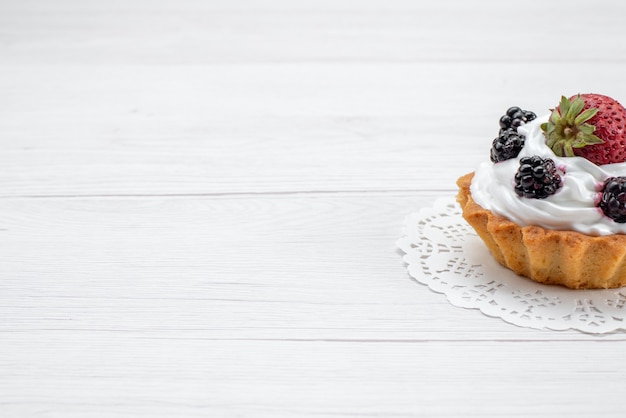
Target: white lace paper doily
[[444, 253]]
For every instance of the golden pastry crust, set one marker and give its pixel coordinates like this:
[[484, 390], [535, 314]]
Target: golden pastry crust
[[567, 258]]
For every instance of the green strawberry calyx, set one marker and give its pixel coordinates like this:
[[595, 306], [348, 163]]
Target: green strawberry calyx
[[567, 127]]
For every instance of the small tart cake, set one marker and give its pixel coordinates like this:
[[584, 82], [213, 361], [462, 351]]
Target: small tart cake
[[550, 204], [568, 258]]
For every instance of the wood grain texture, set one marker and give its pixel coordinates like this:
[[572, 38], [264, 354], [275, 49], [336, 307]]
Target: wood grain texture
[[259, 128], [163, 32], [274, 305], [199, 204]]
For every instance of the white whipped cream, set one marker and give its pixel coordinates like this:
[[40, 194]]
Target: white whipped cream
[[572, 207]]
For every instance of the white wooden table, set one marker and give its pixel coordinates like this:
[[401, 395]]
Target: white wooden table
[[199, 204]]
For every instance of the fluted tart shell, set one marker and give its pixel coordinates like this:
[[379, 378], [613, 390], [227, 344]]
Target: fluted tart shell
[[567, 258]]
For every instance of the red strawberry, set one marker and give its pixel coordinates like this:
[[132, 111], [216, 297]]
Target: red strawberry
[[591, 126]]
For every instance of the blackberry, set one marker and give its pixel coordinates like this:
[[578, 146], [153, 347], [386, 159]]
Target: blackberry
[[507, 145], [536, 178], [613, 202], [515, 117]]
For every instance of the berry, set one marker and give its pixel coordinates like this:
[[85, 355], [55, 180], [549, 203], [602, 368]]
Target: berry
[[613, 202], [514, 118], [536, 178], [507, 145], [591, 126]]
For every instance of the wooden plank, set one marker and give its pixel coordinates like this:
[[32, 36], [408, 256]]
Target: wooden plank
[[259, 128], [303, 267], [130, 374], [250, 31]]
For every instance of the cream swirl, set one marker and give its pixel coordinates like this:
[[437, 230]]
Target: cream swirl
[[572, 207]]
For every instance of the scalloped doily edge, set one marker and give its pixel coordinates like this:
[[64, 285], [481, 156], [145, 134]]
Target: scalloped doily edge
[[405, 244]]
